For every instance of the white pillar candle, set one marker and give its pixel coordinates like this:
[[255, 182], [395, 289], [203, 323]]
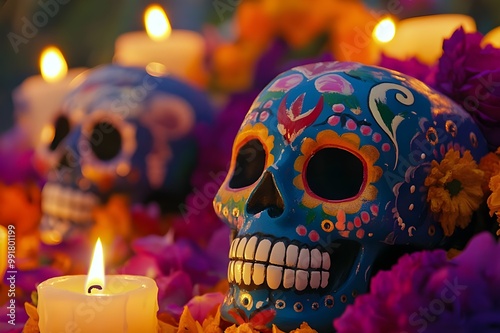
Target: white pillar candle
[[127, 304], [175, 52], [422, 37], [96, 303], [38, 99]]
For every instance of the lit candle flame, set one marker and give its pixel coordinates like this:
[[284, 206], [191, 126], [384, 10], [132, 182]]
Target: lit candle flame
[[385, 30], [156, 22], [53, 67], [95, 277]]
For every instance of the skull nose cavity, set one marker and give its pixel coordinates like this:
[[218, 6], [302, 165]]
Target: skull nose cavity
[[266, 197]]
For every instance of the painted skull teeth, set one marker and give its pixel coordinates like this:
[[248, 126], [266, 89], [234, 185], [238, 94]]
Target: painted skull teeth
[[257, 260], [67, 203]]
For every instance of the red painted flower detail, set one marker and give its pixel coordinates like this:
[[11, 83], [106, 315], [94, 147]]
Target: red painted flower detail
[[258, 320], [291, 122]]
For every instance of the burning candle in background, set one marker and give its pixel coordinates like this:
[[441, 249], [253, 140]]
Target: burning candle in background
[[162, 50], [39, 97], [492, 37], [385, 30], [53, 66], [421, 37], [98, 303]]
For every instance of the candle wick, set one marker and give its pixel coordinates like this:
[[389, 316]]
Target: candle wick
[[94, 286]]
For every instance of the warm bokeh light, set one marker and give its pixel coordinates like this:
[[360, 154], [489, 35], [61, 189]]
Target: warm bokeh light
[[53, 66], [47, 134], [492, 38], [156, 22], [385, 30], [96, 271]]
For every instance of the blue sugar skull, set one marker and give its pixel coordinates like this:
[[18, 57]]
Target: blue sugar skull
[[326, 184], [120, 130]]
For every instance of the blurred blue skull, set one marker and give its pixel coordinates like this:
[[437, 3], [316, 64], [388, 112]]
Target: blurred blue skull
[[120, 130], [326, 183]]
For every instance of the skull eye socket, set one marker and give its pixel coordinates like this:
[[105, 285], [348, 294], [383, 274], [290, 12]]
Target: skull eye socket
[[334, 174], [105, 141], [61, 130], [250, 163]]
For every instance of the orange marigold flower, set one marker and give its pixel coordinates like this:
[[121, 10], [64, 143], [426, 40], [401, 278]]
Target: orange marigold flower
[[243, 328], [490, 165], [455, 190], [304, 328], [494, 198]]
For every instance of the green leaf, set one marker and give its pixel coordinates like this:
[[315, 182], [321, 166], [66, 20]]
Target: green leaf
[[361, 75], [385, 113], [350, 102], [272, 95]]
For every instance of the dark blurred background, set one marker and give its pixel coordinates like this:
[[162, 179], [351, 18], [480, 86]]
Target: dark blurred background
[[85, 31]]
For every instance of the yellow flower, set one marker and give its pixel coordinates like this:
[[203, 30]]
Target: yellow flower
[[490, 165], [454, 190], [243, 328], [304, 328], [494, 198], [188, 324], [350, 142], [31, 325]]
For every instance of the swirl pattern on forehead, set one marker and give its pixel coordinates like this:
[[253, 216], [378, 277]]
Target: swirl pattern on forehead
[[383, 115]]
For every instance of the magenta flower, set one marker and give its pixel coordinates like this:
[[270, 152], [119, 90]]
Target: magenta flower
[[142, 264], [424, 292], [181, 268], [470, 75], [200, 306], [17, 155], [411, 67], [174, 291]]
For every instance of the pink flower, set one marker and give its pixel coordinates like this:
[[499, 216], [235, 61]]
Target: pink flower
[[286, 83], [334, 83], [316, 69], [411, 67]]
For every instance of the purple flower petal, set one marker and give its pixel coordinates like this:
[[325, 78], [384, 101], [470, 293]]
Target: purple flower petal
[[153, 244], [175, 290], [141, 264], [200, 306]]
